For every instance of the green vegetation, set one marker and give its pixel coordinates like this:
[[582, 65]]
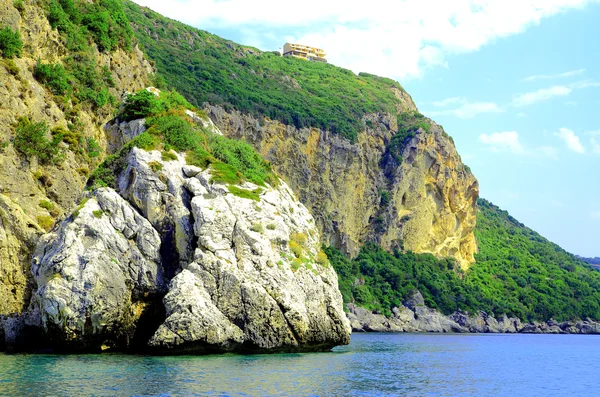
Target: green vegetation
[[30, 139], [53, 76], [98, 213], [80, 79], [155, 166], [19, 5], [102, 22], [409, 123], [11, 67], [46, 222], [518, 273], [257, 227], [11, 44], [50, 207], [168, 156], [206, 68], [169, 128], [244, 193]]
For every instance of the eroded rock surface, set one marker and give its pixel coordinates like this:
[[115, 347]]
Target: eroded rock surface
[[241, 272], [430, 197]]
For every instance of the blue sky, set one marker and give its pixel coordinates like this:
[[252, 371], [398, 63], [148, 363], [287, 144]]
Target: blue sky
[[515, 82]]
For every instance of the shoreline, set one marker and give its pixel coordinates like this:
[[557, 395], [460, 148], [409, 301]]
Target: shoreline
[[414, 316]]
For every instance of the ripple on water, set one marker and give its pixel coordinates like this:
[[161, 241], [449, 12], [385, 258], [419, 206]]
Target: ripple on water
[[372, 365]]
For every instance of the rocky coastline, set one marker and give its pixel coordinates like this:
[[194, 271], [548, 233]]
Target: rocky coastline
[[414, 316]]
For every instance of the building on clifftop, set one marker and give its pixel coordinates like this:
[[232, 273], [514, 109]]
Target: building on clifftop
[[304, 52]]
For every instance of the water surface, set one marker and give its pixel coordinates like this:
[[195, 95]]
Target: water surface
[[372, 365]]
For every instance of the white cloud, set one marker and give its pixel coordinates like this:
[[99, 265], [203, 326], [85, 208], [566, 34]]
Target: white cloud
[[571, 140], [541, 95], [503, 140], [400, 39], [448, 101], [595, 145], [462, 108], [595, 215], [510, 141], [570, 73], [521, 115]]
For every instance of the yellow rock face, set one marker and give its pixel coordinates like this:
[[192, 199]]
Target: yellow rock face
[[23, 182], [431, 195]]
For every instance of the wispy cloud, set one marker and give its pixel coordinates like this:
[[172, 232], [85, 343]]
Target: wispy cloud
[[546, 94], [571, 140], [401, 41], [570, 73], [449, 101], [507, 140], [462, 108], [595, 144], [541, 95]]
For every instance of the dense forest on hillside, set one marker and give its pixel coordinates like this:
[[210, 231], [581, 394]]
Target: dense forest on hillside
[[518, 273], [206, 68]]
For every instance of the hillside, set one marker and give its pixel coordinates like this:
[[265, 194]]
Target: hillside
[[517, 272], [354, 148]]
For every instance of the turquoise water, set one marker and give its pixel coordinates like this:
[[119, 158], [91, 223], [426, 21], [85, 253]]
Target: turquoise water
[[372, 365]]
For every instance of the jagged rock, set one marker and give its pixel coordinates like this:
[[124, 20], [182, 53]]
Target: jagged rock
[[119, 133], [97, 275], [431, 195], [244, 289]]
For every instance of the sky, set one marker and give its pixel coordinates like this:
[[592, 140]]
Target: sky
[[516, 83]]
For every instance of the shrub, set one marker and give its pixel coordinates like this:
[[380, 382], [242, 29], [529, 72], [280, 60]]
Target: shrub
[[295, 264], [11, 67], [98, 213], [53, 76], [322, 259], [271, 226], [46, 222], [93, 148], [257, 227], [140, 105], [299, 238], [30, 140], [11, 45], [295, 248], [18, 4], [168, 156], [155, 166]]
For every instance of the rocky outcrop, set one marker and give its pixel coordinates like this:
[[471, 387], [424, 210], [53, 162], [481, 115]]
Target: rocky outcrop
[[97, 275], [242, 263], [359, 193], [414, 316], [24, 182]]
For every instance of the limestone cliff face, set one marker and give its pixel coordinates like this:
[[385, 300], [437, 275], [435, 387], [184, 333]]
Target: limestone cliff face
[[24, 183], [249, 276], [359, 193]]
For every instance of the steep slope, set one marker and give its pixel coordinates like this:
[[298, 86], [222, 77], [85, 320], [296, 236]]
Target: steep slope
[[354, 148], [65, 95], [517, 273]]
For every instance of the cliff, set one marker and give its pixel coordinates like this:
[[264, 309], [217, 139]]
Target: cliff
[[36, 194], [423, 201], [353, 147]]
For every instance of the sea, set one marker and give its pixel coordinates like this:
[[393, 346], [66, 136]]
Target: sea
[[373, 364]]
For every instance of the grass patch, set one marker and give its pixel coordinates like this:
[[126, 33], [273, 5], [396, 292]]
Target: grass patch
[[155, 166], [98, 213], [46, 222], [168, 156], [257, 227], [245, 194]]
